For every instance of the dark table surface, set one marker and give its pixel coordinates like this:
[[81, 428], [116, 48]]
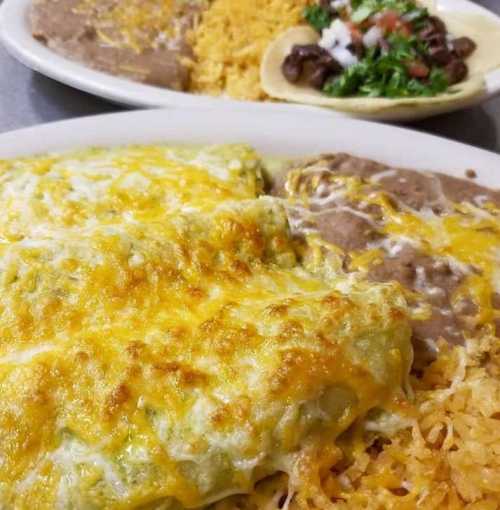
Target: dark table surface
[[28, 98]]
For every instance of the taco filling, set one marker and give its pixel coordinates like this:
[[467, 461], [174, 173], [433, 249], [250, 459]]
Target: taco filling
[[378, 48]]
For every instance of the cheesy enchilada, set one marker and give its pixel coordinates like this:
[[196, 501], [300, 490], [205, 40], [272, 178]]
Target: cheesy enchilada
[[173, 337]]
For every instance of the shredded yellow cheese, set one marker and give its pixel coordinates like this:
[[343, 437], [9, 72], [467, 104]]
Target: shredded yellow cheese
[[134, 24], [161, 344]]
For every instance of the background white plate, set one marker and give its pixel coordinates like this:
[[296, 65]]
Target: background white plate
[[16, 36], [270, 133]]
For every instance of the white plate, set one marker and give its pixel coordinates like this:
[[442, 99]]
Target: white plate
[[16, 36], [270, 133]]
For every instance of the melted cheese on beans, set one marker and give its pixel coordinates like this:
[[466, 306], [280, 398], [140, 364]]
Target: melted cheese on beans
[[136, 24], [466, 236]]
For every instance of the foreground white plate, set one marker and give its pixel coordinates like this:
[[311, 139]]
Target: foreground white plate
[[16, 36], [270, 133]]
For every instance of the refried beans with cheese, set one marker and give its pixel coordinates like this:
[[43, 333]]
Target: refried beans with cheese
[[121, 39], [386, 223]]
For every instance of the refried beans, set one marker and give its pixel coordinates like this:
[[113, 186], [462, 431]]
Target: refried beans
[[394, 224], [117, 39]]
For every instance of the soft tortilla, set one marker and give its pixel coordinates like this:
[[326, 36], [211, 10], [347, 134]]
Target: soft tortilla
[[484, 31]]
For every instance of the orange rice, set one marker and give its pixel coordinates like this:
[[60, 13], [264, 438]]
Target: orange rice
[[231, 39]]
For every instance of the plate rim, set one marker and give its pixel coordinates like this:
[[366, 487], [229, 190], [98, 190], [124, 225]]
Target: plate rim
[[267, 131], [18, 41]]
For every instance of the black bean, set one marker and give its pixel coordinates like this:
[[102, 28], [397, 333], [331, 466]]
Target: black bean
[[308, 51], [438, 24], [318, 77], [440, 55], [436, 39], [317, 72], [456, 71], [309, 63], [432, 27], [426, 32], [357, 48], [291, 68], [464, 46]]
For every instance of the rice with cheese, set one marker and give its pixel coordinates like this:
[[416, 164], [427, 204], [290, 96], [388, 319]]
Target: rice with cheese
[[230, 41], [446, 457], [450, 455]]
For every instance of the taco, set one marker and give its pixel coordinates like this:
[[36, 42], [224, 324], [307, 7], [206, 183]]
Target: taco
[[369, 57]]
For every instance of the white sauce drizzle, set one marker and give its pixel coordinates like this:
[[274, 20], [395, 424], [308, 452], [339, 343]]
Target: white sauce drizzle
[[481, 200], [383, 175]]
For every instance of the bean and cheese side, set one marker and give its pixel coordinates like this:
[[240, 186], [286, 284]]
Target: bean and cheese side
[[165, 342], [142, 40], [439, 237]]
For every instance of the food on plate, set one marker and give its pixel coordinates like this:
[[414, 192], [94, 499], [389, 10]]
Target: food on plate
[[378, 49], [161, 344], [356, 55], [230, 41], [423, 230], [144, 40], [210, 47], [439, 237], [367, 55], [182, 327]]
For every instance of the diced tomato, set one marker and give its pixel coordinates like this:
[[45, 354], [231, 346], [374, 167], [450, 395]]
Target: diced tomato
[[405, 29], [366, 25], [356, 34], [388, 20], [417, 69]]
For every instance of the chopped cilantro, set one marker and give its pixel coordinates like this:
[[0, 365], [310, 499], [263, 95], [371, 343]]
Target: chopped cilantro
[[317, 17], [363, 9], [384, 74], [402, 6]]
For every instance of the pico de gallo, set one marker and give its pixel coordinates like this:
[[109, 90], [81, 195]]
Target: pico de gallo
[[378, 48]]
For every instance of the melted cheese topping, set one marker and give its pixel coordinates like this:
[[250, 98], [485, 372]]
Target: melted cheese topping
[[139, 184], [470, 238], [135, 24], [466, 235], [160, 344]]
